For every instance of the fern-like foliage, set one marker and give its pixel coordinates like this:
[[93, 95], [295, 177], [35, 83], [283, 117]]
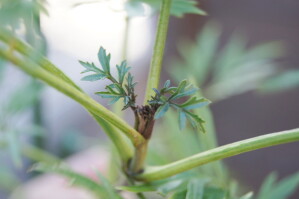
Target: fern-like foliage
[[120, 88], [123, 87], [169, 97]]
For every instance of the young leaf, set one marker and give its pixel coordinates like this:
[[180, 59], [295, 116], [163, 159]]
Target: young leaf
[[162, 110], [104, 60], [166, 97], [121, 87], [90, 67], [93, 77], [122, 71]]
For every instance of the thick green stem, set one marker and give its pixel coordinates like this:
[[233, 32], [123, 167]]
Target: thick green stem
[[87, 102], [137, 164], [161, 172], [157, 58], [120, 141]]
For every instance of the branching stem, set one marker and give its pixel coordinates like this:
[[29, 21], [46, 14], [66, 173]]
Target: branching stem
[[161, 172], [146, 126], [87, 102]]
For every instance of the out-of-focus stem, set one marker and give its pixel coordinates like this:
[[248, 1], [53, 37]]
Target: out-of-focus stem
[[161, 172]]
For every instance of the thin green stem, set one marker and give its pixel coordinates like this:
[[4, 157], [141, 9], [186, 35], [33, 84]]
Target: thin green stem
[[161, 172], [209, 140], [35, 56], [157, 58], [34, 70]]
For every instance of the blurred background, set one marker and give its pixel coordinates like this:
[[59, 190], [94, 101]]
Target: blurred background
[[250, 50]]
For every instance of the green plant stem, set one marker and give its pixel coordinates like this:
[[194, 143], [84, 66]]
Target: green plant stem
[[157, 58], [161, 172], [209, 140], [119, 140], [87, 102], [138, 160]]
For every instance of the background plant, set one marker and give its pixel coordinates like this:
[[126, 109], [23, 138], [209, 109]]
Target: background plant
[[186, 185]]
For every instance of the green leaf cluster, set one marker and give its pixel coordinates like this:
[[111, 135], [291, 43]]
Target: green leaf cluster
[[171, 96], [120, 88]]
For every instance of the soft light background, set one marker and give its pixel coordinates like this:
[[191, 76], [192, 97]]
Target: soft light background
[[76, 33]]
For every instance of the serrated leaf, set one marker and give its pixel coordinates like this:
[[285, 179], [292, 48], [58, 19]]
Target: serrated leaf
[[195, 103], [93, 77], [179, 89], [185, 93], [90, 67], [167, 84], [114, 100], [122, 71], [162, 110], [76, 178], [104, 60], [195, 121]]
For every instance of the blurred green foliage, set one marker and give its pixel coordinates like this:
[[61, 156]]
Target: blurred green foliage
[[220, 70], [225, 70]]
